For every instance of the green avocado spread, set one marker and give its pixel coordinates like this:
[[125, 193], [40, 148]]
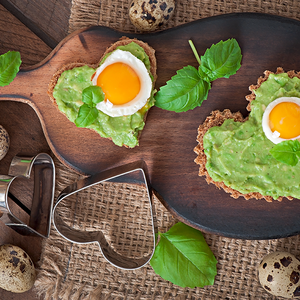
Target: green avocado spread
[[238, 153], [122, 130]]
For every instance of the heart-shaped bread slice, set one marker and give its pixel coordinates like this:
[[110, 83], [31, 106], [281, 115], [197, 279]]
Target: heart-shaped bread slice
[[122, 130], [217, 118]]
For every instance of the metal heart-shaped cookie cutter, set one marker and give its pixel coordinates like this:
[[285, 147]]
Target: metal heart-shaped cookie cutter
[[43, 168], [87, 237]]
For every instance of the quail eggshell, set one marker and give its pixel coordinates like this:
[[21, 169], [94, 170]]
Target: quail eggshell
[[4, 142], [17, 272], [149, 15], [279, 274]]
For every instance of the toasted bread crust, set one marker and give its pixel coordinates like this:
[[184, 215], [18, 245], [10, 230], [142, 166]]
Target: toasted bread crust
[[122, 42], [217, 118]]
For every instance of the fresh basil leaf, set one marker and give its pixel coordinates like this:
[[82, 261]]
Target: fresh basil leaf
[[189, 87], [183, 257], [222, 59], [203, 75], [9, 67], [287, 152], [186, 90], [86, 115], [92, 95]]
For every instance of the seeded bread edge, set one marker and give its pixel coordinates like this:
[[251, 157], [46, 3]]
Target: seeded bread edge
[[217, 118]]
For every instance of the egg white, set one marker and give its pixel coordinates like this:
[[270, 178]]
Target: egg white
[[275, 136], [146, 85]]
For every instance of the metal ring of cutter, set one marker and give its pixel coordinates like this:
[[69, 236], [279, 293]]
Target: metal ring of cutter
[[43, 194], [87, 237]]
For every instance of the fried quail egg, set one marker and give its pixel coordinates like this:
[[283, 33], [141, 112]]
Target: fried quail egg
[[125, 82], [281, 119]]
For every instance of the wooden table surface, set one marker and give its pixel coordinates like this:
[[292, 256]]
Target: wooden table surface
[[32, 27]]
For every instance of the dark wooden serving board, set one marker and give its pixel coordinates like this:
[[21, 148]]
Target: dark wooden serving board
[[168, 139]]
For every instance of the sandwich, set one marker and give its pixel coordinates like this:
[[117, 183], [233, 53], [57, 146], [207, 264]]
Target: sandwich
[[125, 77], [235, 153]]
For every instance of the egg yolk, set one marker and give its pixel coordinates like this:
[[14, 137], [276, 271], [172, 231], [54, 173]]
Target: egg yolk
[[285, 119], [119, 82]]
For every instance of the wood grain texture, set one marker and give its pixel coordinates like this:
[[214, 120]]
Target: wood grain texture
[[47, 19], [168, 139], [17, 37], [23, 126]]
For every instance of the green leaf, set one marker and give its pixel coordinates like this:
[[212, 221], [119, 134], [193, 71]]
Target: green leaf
[[287, 152], [186, 90], [183, 257], [86, 115], [189, 87], [9, 67], [92, 95], [222, 59]]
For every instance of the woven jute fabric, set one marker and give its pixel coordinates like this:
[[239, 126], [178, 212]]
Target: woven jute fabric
[[72, 271], [114, 14]]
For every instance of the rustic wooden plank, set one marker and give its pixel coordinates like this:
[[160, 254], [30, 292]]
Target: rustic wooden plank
[[47, 19], [23, 126], [15, 36]]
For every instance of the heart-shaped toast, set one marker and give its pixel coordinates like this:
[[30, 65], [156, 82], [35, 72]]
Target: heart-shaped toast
[[126, 75], [234, 152]]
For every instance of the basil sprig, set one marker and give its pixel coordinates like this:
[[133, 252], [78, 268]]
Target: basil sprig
[[189, 87], [9, 67], [287, 152], [88, 112], [183, 257]]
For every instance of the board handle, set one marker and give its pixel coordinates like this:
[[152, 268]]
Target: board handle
[[20, 89], [30, 87]]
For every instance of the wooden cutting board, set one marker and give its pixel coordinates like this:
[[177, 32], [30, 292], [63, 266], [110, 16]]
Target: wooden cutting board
[[168, 139]]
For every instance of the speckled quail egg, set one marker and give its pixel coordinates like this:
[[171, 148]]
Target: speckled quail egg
[[279, 274], [4, 142], [149, 15], [17, 272]]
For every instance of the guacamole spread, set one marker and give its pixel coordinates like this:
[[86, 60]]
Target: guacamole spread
[[122, 130], [238, 153]]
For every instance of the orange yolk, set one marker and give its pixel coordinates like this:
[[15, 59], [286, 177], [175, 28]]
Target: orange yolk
[[119, 82], [285, 119]]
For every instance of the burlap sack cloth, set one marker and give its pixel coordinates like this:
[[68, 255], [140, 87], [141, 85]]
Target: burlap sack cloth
[[71, 271]]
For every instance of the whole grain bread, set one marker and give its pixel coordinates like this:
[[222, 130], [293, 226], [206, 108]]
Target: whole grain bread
[[121, 42], [217, 118]]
